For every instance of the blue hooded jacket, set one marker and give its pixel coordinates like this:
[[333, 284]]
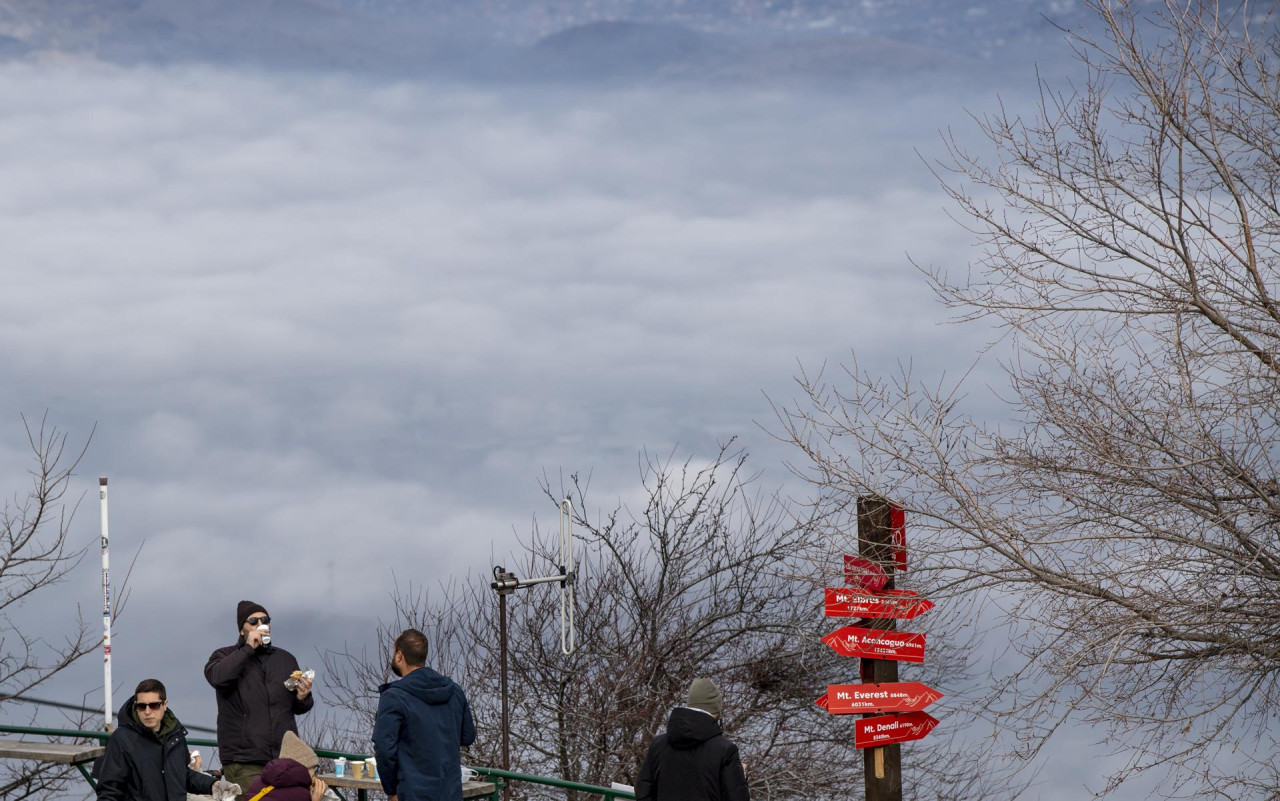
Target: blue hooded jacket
[[422, 721]]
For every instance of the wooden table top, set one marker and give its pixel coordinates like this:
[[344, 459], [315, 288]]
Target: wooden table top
[[69, 754], [469, 789]]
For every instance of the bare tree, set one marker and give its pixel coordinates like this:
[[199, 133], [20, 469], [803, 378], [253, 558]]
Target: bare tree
[[35, 554], [697, 583], [347, 724], [710, 578], [1121, 507]]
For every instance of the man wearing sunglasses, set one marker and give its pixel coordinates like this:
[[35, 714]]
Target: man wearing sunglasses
[[255, 708], [146, 758]]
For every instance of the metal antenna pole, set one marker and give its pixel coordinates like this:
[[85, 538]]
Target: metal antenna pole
[[567, 639], [504, 584], [106, 606]]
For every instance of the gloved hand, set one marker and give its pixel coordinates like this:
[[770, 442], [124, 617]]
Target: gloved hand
[[225, 791]]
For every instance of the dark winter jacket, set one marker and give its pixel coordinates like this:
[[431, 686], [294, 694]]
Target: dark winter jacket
[[693, 761], [141, 765], [288, 779], [255, 709], [422, 720]]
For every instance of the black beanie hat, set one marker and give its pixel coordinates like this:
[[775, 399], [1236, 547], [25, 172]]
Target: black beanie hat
[[246, 608]]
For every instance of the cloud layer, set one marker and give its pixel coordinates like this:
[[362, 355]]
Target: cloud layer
[[329, 328]]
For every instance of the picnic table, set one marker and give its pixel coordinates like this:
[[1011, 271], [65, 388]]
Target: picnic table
[[64, 753]]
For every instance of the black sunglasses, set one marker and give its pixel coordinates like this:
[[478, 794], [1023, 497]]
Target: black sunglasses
[[253, 621], [149, 704]]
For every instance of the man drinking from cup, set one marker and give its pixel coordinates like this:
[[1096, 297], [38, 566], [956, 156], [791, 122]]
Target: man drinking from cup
[[255, 708]]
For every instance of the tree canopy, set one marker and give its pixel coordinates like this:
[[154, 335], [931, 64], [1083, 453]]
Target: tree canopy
[[1123, 514]]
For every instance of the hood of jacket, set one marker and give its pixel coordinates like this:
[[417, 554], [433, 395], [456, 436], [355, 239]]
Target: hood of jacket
[[127, 716], [286, 772], [424, 684], [690, 728]]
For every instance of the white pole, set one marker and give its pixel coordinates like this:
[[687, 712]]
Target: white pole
[[106, 606]]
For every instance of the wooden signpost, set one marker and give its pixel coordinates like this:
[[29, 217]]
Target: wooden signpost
[[872, 598]]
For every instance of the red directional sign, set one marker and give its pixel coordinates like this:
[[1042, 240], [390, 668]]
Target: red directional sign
[[889, 729], [876, 644], [854, 602], [864, 573], [903, 696]]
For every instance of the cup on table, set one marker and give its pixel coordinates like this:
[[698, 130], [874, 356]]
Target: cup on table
[[340, 766], [371, 768], [357, 769]]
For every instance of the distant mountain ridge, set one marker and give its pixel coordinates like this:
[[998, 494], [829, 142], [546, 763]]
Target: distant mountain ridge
[[968, 26], [604, 40]]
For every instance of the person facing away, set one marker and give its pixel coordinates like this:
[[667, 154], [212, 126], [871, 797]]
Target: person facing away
[[693, 760], [290, 777], [422, 721], [146, 757], [255, 709]]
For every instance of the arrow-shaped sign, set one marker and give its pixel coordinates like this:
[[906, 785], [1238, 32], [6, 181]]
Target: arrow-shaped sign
[[864, 573], [876, 644], [889, 729], [903, 696], [855, 602]]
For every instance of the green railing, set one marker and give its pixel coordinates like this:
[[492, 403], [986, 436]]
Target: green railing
[[499, 777]]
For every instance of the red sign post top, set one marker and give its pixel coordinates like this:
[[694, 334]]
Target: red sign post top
[[889, 729], [876, 644], [903, 696], [854, 602]]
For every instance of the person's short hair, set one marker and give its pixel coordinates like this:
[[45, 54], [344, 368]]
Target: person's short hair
[[413, 644], [151, 686]]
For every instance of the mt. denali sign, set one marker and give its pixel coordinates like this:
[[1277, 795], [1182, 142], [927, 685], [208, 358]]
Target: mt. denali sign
[[889, 729]]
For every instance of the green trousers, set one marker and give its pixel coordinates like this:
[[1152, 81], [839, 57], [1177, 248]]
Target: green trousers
[[241, 773]]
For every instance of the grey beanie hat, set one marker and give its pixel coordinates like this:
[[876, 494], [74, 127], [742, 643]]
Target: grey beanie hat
[[705, 695]]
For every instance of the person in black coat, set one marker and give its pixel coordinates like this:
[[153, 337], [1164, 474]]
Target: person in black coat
[[255, 708], [146, 758], [693, 760]]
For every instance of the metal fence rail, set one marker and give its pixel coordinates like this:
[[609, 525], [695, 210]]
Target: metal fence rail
[[498, 776]]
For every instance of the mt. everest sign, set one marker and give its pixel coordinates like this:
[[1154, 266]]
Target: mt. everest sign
[[904, 696]]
